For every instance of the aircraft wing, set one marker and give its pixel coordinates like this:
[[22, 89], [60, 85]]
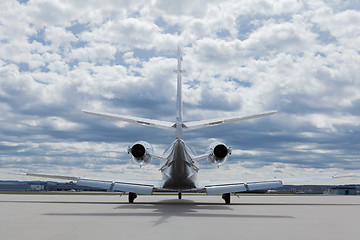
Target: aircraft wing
[[111, 185], [137, 120], [292, 180], [218, 121], [44, 175], [221, 187]]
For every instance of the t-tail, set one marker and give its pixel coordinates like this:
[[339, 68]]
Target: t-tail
[[179, 125], [179, 105]]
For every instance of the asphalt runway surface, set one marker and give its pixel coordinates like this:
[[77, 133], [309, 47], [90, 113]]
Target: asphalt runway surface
[[165, 217]]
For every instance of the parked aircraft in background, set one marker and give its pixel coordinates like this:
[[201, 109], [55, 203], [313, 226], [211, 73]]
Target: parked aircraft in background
[[179, 168]]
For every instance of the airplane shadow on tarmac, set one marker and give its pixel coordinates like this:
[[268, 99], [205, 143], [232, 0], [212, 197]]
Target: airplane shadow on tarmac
[[167, 209]]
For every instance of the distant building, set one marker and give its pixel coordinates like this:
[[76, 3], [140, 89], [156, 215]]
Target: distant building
[[14, 187], [302, 189], [74, 187], [343, 190], [37, 187]]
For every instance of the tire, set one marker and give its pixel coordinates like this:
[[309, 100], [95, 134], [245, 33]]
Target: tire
[[226, 197], [132, 197]]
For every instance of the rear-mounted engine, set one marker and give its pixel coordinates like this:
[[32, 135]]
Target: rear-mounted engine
[[141, 152], [218, 154]]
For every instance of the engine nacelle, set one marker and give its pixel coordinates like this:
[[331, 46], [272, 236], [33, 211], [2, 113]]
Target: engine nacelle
[[141, 152], [218, 153]]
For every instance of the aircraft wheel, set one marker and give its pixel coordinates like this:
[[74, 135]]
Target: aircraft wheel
[[226, 197], [132, 197], [179, 195]]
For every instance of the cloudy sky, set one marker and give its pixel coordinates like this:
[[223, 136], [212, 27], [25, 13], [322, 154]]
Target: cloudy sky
[[241, 57]]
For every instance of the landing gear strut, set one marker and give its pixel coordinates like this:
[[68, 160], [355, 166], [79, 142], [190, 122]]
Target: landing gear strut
[[132, 196], [226, 197], [179, 195]]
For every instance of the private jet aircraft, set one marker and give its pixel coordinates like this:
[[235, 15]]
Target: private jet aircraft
[[179, 168]]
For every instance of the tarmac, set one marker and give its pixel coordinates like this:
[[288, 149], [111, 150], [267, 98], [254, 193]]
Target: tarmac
[[103, 217]]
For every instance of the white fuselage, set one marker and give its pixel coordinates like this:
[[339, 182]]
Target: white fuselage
[[179, 170]]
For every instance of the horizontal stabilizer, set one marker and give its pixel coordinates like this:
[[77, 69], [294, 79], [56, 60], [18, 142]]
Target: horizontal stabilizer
[[218, 121], [137, 120]]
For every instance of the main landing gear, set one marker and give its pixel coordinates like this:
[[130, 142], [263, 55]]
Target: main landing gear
[[226, 197], [132, 197]]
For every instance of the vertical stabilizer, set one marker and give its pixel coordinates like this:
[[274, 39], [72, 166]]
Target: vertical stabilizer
[[179, 110]]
